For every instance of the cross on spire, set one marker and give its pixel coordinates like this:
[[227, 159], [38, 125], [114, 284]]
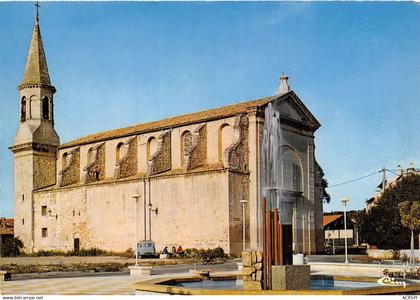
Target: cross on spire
[[37, 10]]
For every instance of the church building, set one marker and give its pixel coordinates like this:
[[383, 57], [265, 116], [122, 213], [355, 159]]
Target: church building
[[184, 180]]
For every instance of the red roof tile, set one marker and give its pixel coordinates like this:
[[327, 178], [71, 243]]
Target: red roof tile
[[328, 219]]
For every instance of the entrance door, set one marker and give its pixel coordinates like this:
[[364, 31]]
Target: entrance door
[[76, 245]]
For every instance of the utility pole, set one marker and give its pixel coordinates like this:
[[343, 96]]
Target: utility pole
[[136, 200], [345, 200], [384, 181]]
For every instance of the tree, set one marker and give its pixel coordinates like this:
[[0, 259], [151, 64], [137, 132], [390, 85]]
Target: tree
[[321, 183], [357, 217], [325, 196], [381, 225], [410, 218]]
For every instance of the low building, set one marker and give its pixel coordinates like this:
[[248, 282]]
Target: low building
[[334, 232], [6, 229]]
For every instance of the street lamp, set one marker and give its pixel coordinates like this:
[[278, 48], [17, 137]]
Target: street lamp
[[150, 207], [244, 202], [136, 199], [345, 200]]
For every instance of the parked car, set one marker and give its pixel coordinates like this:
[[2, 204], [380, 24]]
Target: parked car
[[328, 249], [146, 249]]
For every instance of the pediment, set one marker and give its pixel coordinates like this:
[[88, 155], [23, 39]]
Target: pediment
[[291, 108]]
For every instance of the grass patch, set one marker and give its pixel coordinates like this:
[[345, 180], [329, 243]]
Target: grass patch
[[82, 267]]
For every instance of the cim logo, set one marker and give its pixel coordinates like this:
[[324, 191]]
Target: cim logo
[[391, 281]]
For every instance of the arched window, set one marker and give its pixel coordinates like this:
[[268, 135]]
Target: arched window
[[64, 160], [225, 139], [45, 108], [186, 144], [23, 110], [151, 147], [291, 170], [118, 151], [30, 105]]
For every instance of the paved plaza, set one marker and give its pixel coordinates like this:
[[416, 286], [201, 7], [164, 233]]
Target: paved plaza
[[95, 284], [62, 283], [86, 285]]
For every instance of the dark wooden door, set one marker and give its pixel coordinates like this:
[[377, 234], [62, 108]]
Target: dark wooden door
[[76, 245]]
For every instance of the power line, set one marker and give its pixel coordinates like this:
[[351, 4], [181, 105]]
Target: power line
[[353, 180], [363, 177], [392, 171]]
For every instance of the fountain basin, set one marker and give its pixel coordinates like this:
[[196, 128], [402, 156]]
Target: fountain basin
[[228, 284]]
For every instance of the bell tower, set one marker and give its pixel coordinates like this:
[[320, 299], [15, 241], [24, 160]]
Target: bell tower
[[36, 142]]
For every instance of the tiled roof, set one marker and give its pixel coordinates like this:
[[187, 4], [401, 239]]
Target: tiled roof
[[36, 69], [328, 219], [202, 116]]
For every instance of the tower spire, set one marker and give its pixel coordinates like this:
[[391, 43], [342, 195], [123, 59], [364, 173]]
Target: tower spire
[[36, 68]]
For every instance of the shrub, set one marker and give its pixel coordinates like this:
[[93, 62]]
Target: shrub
[[11, 247], [200, 253], [84, 252], [218, 252]]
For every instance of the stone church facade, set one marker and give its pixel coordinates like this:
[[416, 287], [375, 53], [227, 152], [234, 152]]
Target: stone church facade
[[181, 178]]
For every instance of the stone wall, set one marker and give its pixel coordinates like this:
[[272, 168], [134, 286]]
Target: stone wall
[[23, 186], [95, 169], [197, 154], [291, 277], [238, 190], [127, 165], [161, 160], [134, 155], [238, 152], [44, 169], [70, 173], [252, 271], [192, 212]]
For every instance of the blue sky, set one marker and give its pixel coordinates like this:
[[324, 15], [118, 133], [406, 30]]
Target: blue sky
[[355, 65]]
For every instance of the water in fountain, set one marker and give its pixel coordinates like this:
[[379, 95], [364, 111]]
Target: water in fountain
[[272, 158], [272, 181]]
